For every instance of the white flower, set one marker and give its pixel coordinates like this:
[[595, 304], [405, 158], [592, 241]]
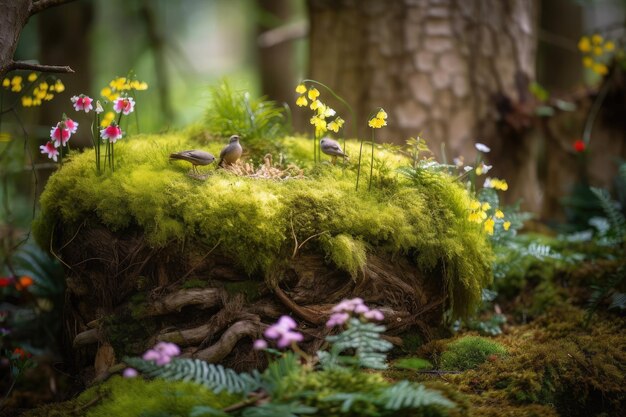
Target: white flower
[[487, 183], [482, 148], [467, 168]]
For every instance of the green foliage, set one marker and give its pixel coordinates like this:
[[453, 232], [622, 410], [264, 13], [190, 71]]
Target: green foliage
[[233, 112], [406, 395], [346, 252], [251, 218], [417, 364], [468, 352], [616, 219], [278, 410], [362, 338], [604, 287], [214, 377]]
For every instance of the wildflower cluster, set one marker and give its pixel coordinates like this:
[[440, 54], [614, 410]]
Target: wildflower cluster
[[346, 309], [42, 91], [161, 354], [496, 184], [121, 86], [283, 332], [376, 122], [320, 119], [60, 135], [597, 52]]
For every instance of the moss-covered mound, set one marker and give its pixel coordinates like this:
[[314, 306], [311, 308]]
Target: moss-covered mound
[[470, 351], [150, 227]]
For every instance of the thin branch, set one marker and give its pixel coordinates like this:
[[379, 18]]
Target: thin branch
[[41, 5], [22, 65]]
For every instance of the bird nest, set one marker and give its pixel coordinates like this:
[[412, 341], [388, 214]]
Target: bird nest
[[265, 170]]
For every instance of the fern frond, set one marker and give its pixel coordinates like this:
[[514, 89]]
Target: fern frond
[[278, 410], [365, 339], [214, 377], [407, 395], [614, 216]]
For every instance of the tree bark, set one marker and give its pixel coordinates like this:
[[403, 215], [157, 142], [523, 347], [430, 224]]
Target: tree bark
[[15, 14], [453, 71]]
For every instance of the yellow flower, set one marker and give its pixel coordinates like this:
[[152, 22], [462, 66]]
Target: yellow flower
[[16, 80], [336, 124], [609, 46], [316, 104], [44, 86], [584, 45], [596, 39], [301, 89], [600, 69], [326, 111], [489, 223], [482, 214], [485, 206], [313, 94], [377, 123], [301, 101], [36, 102], [105, 92], [40, 94], [16, 88], [588, 62], [6, 82], [118, 83], [474, 217], [107, 119], [381, 114], [48, 97], [27, 101], [58, 86], [32, 76], [598, 50], [506, 225], [475, 205], [499, 214]]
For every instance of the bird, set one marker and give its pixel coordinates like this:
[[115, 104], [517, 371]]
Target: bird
[[195, 156], [332, 148], [231, 152]]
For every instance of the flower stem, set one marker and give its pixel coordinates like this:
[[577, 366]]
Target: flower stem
[[358, 171], [369, 187]]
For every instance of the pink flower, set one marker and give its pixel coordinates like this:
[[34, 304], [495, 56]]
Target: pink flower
[[71, 125], [374, 315], [167, 349], [51, 150], [111, 132], [348, 305], [158, 357], [124, 104], [82, 102], [130, 373], [288, 338], [361, 308], [60, 134], [259, 344], [284, 324], [337, 319]]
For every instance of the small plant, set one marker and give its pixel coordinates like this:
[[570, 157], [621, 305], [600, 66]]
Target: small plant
[[292, 385], [470, 351]]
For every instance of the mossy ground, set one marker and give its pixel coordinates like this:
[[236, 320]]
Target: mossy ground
[[253, 221]]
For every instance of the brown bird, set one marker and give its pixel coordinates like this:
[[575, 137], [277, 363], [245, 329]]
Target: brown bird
[[195, 156], [231, 152]]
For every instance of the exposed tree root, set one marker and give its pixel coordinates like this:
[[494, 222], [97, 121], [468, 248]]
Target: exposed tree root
[[229, 339]]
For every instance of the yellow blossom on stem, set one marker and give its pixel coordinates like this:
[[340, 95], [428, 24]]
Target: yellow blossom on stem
[[313, 94], [600, 69], [597, 39], [301, 88], [475, 205], [336, 124], [485, 206], [598, 51], [320, 125], [376, 123], [381, 115], [301, 101], [587, 62], [489, 223], [316, 104], [474, 217], [107, 119], [32, 76], [59, 86], [48, 97], [499, 214], [6, 82], [506, 225], [584, 45], [27, 101], [609, 46]]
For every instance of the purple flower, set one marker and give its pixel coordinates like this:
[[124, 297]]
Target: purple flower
[[259, 344], [168, 349], [130, 373], [374, 315], [361, 308], [337, 319], [288, 338], [162, 353], [348, 305], [284, 324]]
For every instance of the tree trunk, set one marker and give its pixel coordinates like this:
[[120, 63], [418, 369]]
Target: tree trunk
[[15, 14], [455, 72]]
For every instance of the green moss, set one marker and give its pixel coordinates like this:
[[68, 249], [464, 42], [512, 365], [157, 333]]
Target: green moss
[[347, 253], [251, 289], [127, 334], [470, 351], [134, 397], [194, 283], [255, 220]]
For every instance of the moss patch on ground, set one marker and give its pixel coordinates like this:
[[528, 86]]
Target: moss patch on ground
[[253, 221]]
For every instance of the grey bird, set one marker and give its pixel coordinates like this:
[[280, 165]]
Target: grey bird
[[231, 152], [195, 156], [332, 148]]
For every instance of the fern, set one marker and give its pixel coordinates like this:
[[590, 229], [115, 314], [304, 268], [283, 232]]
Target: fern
[[406, 395], [214, 377], [614, 216], [348, 399], [279, 371], [364, 339], [601, 292]]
